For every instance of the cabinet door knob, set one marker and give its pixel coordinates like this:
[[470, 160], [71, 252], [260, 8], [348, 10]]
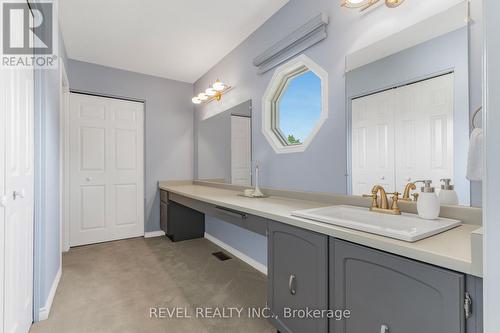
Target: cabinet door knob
[[291, 284], [384, 329]]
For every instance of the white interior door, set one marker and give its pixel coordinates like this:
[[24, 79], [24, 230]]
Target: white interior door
[[373, 142], [106, 161], [241, 150], [403, 135], [424, 131], [17, 199]]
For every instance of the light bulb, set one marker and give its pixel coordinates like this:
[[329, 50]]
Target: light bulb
[[219, 86], [210, 92], [196, 100], [393, 3], [202, 97], [356, 3]]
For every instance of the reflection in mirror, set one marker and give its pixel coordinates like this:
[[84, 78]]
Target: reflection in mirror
[[224, 146], [409, 118]]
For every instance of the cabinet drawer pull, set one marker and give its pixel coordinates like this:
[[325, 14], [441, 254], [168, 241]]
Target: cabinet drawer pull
[[384, 329], [291, 284], [231, 212]]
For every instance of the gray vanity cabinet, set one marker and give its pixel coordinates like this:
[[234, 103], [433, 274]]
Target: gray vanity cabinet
[[391, 294], [298, 277], [163, 216]]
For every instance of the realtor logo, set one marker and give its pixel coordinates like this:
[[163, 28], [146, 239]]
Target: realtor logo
[[29, 35]]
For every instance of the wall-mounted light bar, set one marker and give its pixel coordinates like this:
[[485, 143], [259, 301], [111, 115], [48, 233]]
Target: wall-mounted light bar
[[214, 92]]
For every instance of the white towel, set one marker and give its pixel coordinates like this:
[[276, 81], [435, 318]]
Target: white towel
[[475, 159]]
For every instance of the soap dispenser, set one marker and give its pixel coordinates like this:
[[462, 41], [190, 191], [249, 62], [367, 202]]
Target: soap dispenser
[[428, 205], [447, 195]]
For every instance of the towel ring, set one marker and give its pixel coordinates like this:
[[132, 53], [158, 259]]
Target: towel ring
[[475, 116]]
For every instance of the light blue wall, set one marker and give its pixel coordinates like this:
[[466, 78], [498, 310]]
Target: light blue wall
[[475, 78], [250, 243], [445, 53], [323, 166], [47, 172], [168, 123]]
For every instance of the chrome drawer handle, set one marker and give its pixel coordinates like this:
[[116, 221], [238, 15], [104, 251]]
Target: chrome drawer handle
[[384, 329], [291, 284], [231, 212]]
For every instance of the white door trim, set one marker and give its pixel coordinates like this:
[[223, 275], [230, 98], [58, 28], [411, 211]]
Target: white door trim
[[64, 158]]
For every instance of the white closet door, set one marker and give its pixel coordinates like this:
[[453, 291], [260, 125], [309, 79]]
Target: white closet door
[[403, 135], [373, 142], [106, 169], [17, 194], [241, 150], [424, 131]]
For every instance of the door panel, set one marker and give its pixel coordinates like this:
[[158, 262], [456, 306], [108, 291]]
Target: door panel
[[373, 142], [425, 113], [106, 169], [381, 289], [17, 187], [93, 143], [241, 150], [93, 207], [297, 277], [126, 204], [403, 135]]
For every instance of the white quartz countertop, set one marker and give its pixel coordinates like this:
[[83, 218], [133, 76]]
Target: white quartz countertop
[[452, 249]]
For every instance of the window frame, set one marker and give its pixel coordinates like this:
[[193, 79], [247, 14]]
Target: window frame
[[282, 77]]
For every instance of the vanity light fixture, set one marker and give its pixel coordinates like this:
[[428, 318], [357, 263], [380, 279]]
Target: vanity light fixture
[[365, 4], [358, 3], [214, 92], [393, 3]]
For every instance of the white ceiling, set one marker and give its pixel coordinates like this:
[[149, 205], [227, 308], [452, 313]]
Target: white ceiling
[[179, 40]]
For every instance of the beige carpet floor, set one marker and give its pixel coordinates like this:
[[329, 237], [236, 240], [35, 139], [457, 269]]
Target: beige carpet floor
[[111, 287]]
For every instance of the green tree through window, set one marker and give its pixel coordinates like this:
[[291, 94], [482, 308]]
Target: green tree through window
[[292, 140]]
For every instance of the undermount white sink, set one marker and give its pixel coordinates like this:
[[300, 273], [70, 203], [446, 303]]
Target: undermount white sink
[[406, 227]]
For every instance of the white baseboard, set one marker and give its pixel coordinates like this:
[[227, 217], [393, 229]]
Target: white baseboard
[[240, 255], [152, 234], [44, 312]]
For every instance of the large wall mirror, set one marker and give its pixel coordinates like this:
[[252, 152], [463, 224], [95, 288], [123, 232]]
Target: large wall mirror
[[224, 146], [409, 115]]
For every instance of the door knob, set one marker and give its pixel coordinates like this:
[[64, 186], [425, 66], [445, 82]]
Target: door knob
[[88, 179], [3, 201], [18, 194], [382, 177], [384, 329], [408, 179]]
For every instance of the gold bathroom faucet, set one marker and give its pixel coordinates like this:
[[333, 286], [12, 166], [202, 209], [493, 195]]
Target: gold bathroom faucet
[[406, 194], [383, 206]]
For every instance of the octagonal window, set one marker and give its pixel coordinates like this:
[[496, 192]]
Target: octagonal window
[[298, 107], [295, 105]]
